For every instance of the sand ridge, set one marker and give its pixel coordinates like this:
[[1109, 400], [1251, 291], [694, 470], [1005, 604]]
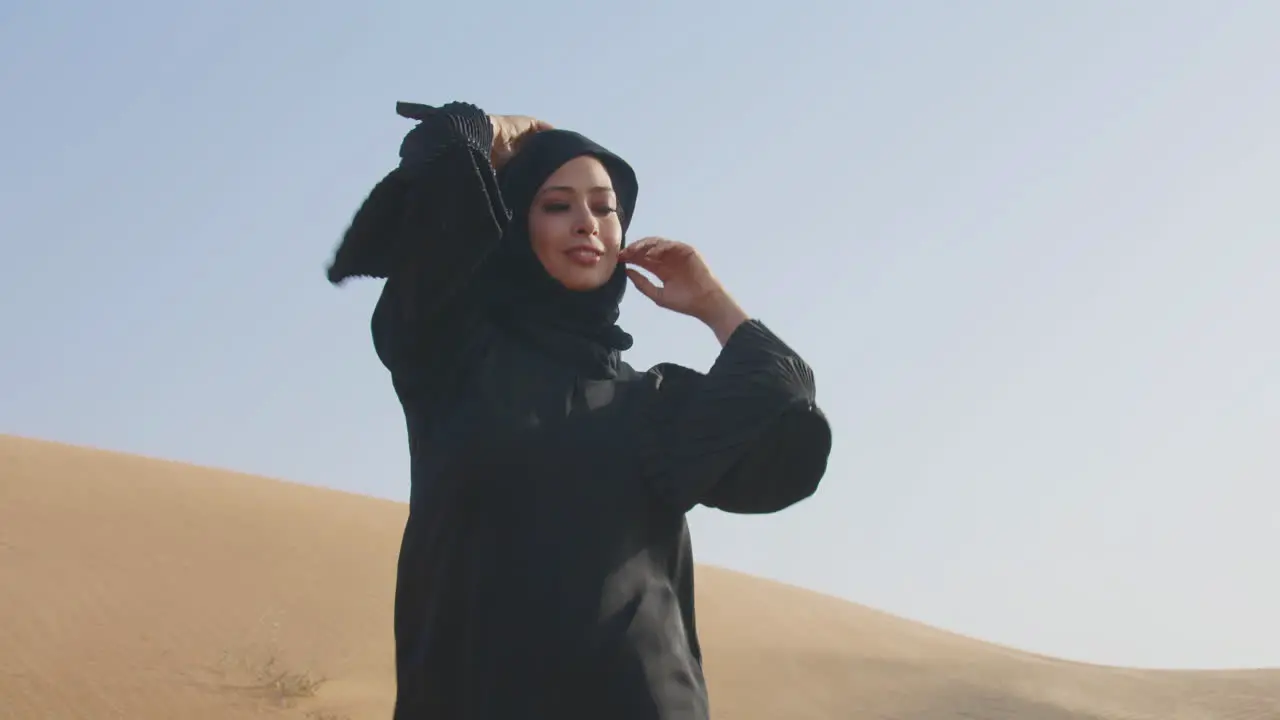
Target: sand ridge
[[154, 590]]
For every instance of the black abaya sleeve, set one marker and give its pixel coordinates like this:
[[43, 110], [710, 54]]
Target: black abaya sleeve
[[427, 227], [747, 437]]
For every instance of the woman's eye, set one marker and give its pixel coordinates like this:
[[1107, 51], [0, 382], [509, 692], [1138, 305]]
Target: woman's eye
[[560, 207]]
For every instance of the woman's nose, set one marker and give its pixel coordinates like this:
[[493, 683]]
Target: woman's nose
[[586, 223]]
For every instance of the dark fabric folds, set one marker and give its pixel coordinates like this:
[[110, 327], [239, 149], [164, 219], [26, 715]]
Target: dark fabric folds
[[390, 228], [428, 227], [747, 437], [580, 326], [546, 569]]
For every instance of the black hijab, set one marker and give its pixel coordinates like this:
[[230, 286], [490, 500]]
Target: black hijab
[[580, 327]]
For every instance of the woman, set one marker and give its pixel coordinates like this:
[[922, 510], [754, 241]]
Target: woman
[[545, 570]]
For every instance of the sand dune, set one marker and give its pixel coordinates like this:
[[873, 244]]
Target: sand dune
[[150, 590]]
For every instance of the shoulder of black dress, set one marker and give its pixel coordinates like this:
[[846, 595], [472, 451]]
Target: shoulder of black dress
[[670, 376]]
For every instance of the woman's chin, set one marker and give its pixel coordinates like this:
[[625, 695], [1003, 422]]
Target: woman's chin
[[582, 280]]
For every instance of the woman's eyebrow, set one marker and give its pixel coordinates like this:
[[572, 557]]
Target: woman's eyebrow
[[566, 188]]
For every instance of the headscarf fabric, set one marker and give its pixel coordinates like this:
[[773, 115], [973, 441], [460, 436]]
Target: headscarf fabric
[[520, 292]]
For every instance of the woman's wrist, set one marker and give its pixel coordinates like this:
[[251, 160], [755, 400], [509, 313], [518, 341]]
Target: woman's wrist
[[495, 125], [723, 315]]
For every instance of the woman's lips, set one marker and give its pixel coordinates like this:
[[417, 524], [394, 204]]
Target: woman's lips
[[584, 256]]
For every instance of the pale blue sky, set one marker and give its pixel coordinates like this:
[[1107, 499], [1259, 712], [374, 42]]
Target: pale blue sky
[[1026, 246]]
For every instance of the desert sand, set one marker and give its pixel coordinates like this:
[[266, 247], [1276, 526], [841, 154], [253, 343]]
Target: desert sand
[[153, 590]]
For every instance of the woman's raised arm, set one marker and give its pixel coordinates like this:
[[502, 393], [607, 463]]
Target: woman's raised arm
[[428, 226], [748, 436]]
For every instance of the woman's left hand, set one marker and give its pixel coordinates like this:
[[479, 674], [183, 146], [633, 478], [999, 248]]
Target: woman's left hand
[[688, 287]]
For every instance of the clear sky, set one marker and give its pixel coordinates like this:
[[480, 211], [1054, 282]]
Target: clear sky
[[1026, 246]]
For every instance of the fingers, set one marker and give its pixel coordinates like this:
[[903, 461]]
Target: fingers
[[533, 127], [522, 126], [645, 261], [510, 134], [633, 249], [657, 255], [646, 247], [645, 285], [654, 244], [512, 129]]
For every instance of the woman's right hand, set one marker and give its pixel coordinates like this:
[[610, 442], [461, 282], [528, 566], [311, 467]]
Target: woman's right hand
[[509, 132]]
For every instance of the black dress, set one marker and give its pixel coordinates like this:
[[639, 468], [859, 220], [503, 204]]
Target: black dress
[[546, 569]]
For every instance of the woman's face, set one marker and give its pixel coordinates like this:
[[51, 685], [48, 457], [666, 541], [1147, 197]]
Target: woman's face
[[574, 225]]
